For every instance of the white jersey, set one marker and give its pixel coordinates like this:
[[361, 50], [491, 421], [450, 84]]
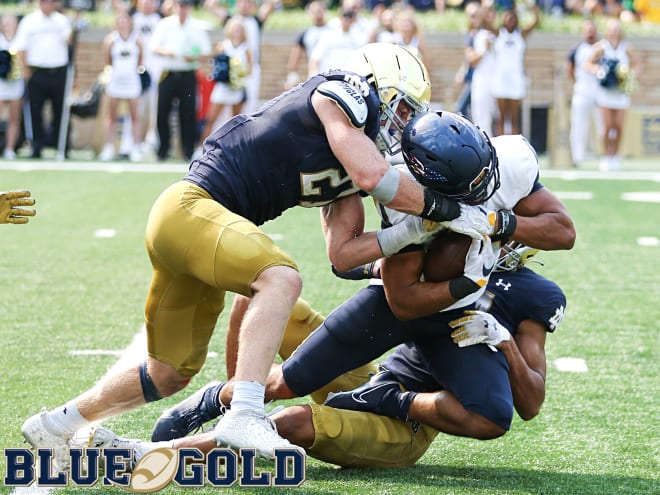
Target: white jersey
[[614, 97], [519, 171], [144, 26], [10, 89], [508, 78], [585, 80], [124, 79]]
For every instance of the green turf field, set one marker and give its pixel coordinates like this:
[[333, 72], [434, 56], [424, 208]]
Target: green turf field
[[64, 288]]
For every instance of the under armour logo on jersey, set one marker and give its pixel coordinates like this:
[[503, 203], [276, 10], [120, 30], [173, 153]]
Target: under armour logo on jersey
[[555, 320], [504, 285], [358, 83]]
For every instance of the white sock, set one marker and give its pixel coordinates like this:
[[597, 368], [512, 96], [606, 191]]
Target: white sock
[[66, 419], [248, 395]]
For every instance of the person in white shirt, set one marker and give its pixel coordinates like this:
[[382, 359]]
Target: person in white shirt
[[482, 58], [305, 43], [42, 41], [335, 45], [182, 43], [585, 87]]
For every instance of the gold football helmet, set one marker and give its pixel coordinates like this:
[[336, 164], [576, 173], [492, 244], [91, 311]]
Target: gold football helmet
[[515, 255], [398, 76]]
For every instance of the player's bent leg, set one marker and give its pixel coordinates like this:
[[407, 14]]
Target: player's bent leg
[[276, 290], [295, 424], [361, 439], [443, 411]]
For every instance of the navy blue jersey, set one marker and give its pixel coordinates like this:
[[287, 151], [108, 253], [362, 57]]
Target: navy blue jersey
[[511, 297], [519, 295], [261, 164]]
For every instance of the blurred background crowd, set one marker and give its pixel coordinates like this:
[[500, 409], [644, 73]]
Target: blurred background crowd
[[174, 70]]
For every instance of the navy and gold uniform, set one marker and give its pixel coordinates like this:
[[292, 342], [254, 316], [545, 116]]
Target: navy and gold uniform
[[202, 234], [261, 164], [362, 439]]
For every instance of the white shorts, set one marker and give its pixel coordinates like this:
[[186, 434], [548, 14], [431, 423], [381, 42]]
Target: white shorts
[[225, 95], [612, 98], [11, 90]]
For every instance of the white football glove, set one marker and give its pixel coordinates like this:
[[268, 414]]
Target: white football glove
[[478, 327], [480, 261], [412, 230], [475, 221]]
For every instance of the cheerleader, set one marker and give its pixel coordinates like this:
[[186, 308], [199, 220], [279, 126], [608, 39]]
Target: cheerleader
[[232, 93], [614, 100], [123, 53], [11, 88]]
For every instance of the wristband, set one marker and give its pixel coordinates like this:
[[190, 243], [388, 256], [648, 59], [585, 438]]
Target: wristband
[[362, 272], [462, 286], [387, 186], [507, 223], [439, 208]]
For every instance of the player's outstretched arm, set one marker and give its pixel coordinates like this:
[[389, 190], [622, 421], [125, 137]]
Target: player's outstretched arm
[[11, 207]]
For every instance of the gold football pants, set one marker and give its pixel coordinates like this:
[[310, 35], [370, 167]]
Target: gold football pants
[[199, 250], [353, 438]]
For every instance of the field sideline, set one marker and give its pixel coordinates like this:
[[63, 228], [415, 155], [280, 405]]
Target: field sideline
[[74, 281]]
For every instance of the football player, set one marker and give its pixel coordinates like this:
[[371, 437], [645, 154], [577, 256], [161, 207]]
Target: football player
[[318, 144], [405, 307], [12, 205], [514, 315]]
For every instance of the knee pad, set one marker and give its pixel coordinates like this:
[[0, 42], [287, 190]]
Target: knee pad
[[149, 389]]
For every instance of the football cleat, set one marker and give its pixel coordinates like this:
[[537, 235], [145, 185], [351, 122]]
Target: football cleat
[[102, 438], [382, 394], [248, 429], [190, 414], [36, 432]]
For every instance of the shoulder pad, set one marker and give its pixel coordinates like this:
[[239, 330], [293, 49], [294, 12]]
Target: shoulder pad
[[349, 100]]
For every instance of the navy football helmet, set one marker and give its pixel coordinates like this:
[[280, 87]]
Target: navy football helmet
[[449, 154]]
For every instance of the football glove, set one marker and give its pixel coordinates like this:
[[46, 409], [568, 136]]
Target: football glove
[[478, 327], [10, 207], [412, 230], [479, 263], [474, 221]]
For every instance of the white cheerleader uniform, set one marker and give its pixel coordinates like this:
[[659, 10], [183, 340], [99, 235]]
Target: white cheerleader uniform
[[613, 97], [124, 79], [223, 93], [509, 79], [10, 89], [483, 107]]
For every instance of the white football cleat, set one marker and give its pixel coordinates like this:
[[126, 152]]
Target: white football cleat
[[249, 429], [102, 438], [39, 436]]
